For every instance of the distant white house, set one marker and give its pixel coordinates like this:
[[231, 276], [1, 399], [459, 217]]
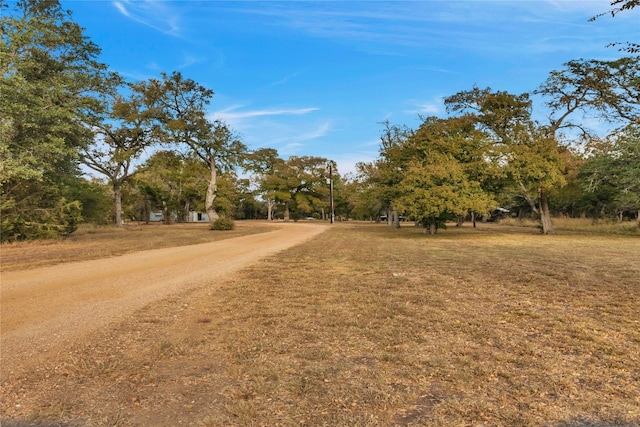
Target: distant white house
[[156, 216], [197, 217]]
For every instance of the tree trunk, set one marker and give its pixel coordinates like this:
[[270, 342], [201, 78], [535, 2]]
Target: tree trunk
[[166, 214], [117, 195], [529, 199], [212, 190], [185, 212], [473, 219], [270, 205], [545, 215], [395, 219], [430, 228], [146, 210], [286, 211]]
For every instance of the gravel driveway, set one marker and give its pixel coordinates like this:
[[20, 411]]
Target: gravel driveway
[[46, 308]]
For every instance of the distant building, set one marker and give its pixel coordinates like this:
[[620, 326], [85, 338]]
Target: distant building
[[197, 217], [157, 216]]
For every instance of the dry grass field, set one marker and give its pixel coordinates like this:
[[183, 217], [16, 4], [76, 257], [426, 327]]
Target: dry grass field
[[371, 326]]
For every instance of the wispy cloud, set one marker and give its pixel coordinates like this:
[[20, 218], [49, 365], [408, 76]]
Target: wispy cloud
[[401, 28], [427, 108], [188, 60], [123, 10], [152, 13], [379, 26], [590, 8], [285, 129], [282, 81], [320, 130], [232, 113], [290, 149]]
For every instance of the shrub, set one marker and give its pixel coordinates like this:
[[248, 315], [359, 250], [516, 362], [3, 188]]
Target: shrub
[[222, 224]]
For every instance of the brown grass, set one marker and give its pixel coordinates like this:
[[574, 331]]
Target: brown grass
[[581, 225], [100, 242], [370, 326]]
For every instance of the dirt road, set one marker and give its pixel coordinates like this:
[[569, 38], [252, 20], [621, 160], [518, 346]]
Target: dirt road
[[50, 307]]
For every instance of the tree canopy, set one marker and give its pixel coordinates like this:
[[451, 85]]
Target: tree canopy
[[299, 183], [49, 83], [181, 103]]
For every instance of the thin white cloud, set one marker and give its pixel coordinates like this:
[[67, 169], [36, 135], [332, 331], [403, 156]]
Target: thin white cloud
[[386, 28], [321, 130], [152, 13], [282, 81], [428, 108], [381, 25], [123, 10], [590, 8], [189, 60], [290, 149], [282, 128], [425, 108], [231, 113]]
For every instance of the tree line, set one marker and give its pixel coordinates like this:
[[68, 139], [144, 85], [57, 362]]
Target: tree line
[[490, 152], [63, 110]]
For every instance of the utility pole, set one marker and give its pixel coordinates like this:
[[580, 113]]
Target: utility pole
[[332, 215]]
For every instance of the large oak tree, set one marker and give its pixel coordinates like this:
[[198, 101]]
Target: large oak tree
[[128, 125], [183, 113], [528, 152], [300, 183], [443, 164]]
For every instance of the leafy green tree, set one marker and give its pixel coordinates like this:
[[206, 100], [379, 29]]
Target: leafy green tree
[[442, 178], [126, 127], [612, 171], [182, 103], [50, 75], [262, 164], [610, 89], [527, 152], [391, 167], [341, 203], [364, 193], [222, 152], [299, 183], [96, 200], [569, 199], [247, 205], [234, 198], [173, 184]]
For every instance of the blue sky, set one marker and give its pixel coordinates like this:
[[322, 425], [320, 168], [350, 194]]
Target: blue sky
[[317, 77]]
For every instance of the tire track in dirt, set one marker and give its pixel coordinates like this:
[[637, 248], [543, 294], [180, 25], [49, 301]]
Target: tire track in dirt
[[45, 308]]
